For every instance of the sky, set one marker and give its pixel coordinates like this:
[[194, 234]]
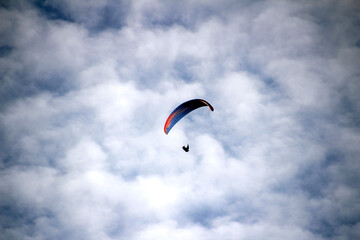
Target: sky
[[86, 87]]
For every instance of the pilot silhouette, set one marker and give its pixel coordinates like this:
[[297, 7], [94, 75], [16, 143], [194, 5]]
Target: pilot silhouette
[[186, 149]]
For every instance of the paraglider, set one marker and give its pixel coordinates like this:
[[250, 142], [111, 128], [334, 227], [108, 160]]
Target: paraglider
[[186, 149], [182, 110]]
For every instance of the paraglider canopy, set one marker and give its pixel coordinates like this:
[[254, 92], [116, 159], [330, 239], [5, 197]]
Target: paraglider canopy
[[182, 110]]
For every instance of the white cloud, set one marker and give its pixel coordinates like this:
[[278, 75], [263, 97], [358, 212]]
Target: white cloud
[[85, 96]]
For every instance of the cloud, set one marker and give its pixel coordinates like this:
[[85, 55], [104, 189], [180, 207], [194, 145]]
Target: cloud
[[87, 86]]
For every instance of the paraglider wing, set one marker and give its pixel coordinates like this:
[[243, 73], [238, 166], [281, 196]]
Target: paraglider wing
[[182, 110]]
